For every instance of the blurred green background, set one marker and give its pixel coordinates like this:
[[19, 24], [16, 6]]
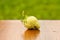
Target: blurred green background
[[42, 9]]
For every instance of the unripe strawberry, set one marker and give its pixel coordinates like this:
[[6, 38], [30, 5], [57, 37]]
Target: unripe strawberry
[[31, 22]]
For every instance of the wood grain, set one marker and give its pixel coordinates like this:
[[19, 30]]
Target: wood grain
[[15, 30]]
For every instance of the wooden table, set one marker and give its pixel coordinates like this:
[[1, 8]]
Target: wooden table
[[15, 30]]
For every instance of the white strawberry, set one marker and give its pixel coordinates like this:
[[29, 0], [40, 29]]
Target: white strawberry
[[31, 22]]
